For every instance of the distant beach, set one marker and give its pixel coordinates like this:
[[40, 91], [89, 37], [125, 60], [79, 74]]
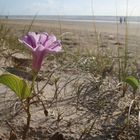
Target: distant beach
[[101, 26], [83, 32], [112, 19]]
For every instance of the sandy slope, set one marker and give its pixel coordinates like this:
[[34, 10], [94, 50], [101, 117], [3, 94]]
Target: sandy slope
[[71, 116]]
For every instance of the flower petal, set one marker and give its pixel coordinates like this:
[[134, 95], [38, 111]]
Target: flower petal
[[50, 40], [28, 46], [32, 38], [54, 47], [43, 38]]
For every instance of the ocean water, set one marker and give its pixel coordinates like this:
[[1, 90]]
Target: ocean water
[[131, 19]]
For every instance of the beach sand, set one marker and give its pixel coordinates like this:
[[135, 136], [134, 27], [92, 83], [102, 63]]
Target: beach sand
[[65, 116], [101, 27], [84, 32]]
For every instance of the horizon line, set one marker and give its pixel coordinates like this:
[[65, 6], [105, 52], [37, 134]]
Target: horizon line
[[69, 15]]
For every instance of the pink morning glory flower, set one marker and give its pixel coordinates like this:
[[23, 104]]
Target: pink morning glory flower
[[40, 45]]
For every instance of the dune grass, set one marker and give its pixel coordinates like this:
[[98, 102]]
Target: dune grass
[[89, 80]]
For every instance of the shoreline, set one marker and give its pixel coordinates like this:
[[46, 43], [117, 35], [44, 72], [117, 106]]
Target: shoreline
[[76, 18]]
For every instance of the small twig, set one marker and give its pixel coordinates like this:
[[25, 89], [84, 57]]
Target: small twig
[[87, 131], [40, 91], [13, 129]]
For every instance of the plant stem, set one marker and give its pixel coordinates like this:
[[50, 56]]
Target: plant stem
[[28, 109], [28, 119]]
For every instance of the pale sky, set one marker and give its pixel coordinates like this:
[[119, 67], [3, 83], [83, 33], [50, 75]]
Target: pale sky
[[69, 7]]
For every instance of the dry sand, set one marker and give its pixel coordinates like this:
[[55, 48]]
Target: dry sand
[[103, 27], [74, 119], [84, 32]]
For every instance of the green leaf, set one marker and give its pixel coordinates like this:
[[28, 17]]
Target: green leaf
[[132, 81], [16, 84]]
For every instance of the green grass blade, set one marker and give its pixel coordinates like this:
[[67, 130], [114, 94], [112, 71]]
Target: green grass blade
[[132, 81], [16, 84]]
